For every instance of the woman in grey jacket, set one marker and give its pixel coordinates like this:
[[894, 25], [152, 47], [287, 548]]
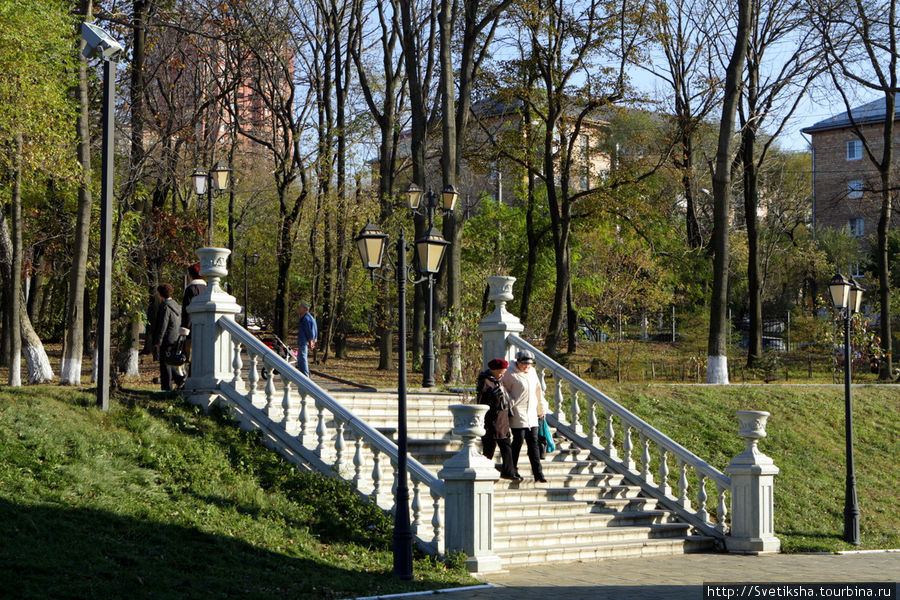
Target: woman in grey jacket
[[165, 335]]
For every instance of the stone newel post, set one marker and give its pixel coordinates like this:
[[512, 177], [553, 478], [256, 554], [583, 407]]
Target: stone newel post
[[752, 486], [499, 324], [469, 483], [211, 348]]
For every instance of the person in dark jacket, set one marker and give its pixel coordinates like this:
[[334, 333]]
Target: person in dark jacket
[[307, 332], [165, 335], [496, 420]]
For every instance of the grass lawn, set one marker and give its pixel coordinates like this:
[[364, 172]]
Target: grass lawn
[[156, 500]]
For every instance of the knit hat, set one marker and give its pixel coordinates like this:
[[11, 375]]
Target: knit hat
[[497, 364]]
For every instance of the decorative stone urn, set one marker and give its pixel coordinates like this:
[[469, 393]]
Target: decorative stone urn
[[213, 265], [752, 428], [499, 324], [752, 476], [469, 483]]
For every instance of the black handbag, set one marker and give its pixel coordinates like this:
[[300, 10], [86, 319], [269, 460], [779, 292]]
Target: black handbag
[[175, 355]]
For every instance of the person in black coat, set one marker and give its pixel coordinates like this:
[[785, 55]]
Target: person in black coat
[[165, 335], [496, 420], [193, 289]]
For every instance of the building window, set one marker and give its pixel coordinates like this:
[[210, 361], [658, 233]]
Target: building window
[[855, 189], [856, 271], [854, 149], [856, 226]]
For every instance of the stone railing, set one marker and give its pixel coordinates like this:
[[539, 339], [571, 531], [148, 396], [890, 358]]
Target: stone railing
[[664, 469], [298, 418]]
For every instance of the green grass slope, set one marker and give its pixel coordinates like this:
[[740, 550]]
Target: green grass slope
[[156, 500], [806, 440]]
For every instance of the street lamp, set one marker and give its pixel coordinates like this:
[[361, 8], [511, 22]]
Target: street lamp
[[254, 260], [847, 297], [414, 198], [99, 42], [371, 243], [210, 183]]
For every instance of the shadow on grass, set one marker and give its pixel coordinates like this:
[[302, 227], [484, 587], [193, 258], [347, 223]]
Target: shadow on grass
[[54, 552]]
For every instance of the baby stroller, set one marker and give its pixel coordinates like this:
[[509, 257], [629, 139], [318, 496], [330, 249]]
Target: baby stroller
[[280, 348]]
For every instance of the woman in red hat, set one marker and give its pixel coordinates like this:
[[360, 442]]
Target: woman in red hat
[[496, 421]]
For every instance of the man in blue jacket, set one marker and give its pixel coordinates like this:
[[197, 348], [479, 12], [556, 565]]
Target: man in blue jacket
[[307, 333]]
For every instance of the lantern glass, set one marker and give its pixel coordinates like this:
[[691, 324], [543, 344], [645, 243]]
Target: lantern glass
[[856, 295], [449, 197], [371, 243], [413, 196], [221, 174], [430, 251], [200, 181], [840, 291], [254, 259]]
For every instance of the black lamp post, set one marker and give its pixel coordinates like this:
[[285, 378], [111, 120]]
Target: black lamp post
[[847, 297], [99, 42], [371, 243], [211, 183], [414, 197], [254, 260]]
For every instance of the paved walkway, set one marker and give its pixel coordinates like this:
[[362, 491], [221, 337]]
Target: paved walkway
[[678, 577]]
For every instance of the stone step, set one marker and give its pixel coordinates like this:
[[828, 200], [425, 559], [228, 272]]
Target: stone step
[[591, 552], [555, 537], [543, 492], [573, 522], [559, 479], [513, 507]]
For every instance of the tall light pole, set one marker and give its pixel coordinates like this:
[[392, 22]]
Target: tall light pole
[[211, 183], [847, 297], [254, 260], [414, 197], [371, 243], [99, 42]]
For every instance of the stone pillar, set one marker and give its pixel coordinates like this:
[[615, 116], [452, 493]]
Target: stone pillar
[[211, 348], [499, 324], [469, 483], [752, 476]]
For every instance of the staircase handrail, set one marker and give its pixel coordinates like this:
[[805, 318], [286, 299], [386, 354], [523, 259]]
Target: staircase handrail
[[629, 419], [372, 436]]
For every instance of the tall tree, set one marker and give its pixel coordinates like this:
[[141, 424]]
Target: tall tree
[[860, 46], [717, 360], [773, 88], [73, 338]]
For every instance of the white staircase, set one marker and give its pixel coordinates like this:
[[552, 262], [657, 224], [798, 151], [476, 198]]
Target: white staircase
[[585, 511]]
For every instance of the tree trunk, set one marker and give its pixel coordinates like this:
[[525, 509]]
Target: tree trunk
[[751, 203], [717, 361], [74, 338], [16, 295]]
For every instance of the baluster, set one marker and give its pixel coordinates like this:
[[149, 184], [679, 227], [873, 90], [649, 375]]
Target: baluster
[[303, 417], [273, 410], [357, 461], [664, 488], [645, 460], [574, 413], [610, 436], [416, 508], [721, 510], [437, 522], [376, 476], [253, 393], [627, 448], [291, 424], [683, 499], [558, 399], [320, 429], [592, 422], [237, 364], [701, 498], [394, 487], [339, 447]]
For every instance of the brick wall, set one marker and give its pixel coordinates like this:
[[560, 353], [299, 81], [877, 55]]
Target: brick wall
[[835, 203]]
